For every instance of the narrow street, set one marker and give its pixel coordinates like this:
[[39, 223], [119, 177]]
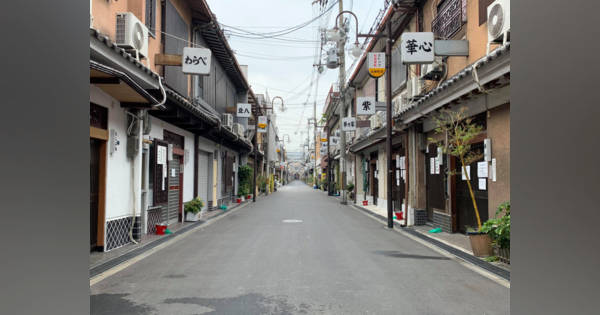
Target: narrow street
[[297, 251]]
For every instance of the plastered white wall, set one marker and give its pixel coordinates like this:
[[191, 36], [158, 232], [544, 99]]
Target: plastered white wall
[[119, 191]]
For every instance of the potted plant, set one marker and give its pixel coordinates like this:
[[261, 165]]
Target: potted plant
[[192, 208], [350, 189], [458, 132], [498, 229]]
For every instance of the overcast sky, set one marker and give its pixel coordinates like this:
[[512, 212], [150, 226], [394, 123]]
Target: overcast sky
[[284, 66]]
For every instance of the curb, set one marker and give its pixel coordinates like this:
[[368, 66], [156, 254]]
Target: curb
[[107, 265], [468, 258]]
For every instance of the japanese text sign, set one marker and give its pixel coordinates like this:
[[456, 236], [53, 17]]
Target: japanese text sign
[[243, 110], [195, 60], [417, 48], [365, 105], [376, 63], [348, 124], [262, 124]]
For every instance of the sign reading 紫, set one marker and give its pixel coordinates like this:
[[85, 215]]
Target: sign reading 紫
[[243, 110], [262, 124], [417, 48], [348, 124], [195, 60], [365, 105], [376, 64]]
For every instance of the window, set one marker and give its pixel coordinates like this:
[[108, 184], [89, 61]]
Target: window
[[151, 16]]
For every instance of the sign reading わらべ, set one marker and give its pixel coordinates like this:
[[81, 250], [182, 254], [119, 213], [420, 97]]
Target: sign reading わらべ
[[243, 110], [417, 48], [195, 60], [376, 62]]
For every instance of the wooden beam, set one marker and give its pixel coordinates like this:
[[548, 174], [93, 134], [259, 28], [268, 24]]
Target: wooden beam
[[167, 60], [98, 133], [135, 105]]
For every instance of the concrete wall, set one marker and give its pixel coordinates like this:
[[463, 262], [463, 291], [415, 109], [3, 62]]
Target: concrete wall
[[498, 130]]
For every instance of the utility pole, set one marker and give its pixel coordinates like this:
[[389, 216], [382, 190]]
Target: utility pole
[[255, 143], [342, 111], [388, 116]]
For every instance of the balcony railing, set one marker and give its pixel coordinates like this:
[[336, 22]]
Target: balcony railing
[[449, 19]]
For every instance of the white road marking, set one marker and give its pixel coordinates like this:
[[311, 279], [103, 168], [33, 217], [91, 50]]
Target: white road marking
[[292, 221]]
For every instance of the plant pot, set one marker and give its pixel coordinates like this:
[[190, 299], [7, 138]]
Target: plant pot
[[399, 215], [191, 217], [239, 200], [481, 244], [160, 229], [249, 197], [365, 202]]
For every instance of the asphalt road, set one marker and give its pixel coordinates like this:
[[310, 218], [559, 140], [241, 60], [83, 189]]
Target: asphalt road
[[335, 261]]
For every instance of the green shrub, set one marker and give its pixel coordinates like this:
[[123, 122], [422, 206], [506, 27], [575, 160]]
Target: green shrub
[[350, 187], [499, 228], [194, 206], [245, 180]]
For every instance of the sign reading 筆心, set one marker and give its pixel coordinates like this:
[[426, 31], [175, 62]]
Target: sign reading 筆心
[[417, 48], [195, 60], [262, 124], [243, 110], [365, 105], [348, 124], [376, 64]]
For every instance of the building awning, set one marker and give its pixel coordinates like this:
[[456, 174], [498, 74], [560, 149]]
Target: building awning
[[490, 68], [120, 86]]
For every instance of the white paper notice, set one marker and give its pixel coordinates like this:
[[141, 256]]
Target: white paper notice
[[464, 174], [437, 165], [432, 165], [172, 172], [482, 169], [397, 178], [482, 182], [404, 174], [494, 170], [398, 161]]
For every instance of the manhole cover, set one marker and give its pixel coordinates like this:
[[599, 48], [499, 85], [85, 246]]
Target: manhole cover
[[292, 221]]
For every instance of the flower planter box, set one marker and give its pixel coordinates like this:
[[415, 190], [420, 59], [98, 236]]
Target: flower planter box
[[192, 217], [503, 254]]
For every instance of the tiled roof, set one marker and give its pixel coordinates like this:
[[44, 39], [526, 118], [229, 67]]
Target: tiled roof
[[457, 77], [127, 56]]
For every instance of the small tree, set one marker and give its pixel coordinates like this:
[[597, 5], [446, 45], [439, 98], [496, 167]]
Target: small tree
[[458, 132]]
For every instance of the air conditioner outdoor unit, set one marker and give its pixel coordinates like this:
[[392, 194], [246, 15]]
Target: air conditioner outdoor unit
[[238, 129], [413, 87], [228, 120], [375, 121], [132, 34], [498, 21], [433, 71]]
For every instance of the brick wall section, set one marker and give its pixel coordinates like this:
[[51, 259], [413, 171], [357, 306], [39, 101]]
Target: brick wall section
[[442, 221], [420, 217]]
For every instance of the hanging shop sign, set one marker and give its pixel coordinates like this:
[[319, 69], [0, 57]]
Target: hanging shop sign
[[376, 63], [262, 124], [365, 105], [417, 48], [323, 136], [348, 124], [243, 110], [195, 60]]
